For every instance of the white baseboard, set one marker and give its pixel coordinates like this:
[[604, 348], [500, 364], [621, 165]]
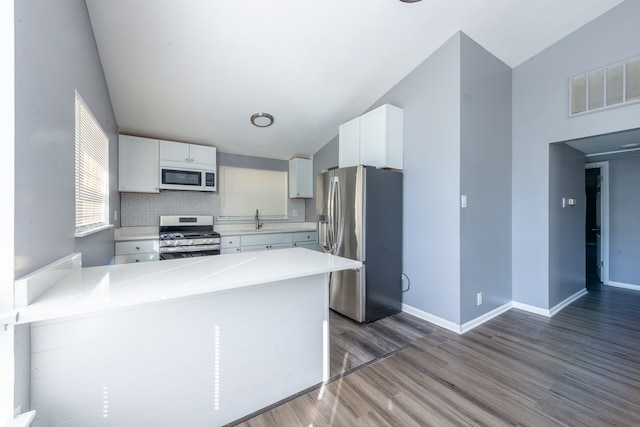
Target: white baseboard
[[532, 309], [466, 327], [553, 310], [623, 285], [556, 308], [454, 327], [438, 321]]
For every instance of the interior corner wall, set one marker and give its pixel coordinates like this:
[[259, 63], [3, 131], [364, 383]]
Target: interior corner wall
[[430, 98], [567, 243], [485, 178], [56, 55], [541, 117]]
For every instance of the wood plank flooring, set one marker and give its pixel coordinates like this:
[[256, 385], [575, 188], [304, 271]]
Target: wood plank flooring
[[579, 368]]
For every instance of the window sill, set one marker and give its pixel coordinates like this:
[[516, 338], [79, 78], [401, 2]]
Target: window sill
[[93, 230]]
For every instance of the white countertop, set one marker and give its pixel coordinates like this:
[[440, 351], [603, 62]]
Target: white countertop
[[97, 289]]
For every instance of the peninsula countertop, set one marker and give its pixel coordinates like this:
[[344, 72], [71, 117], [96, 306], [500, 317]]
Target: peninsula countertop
[[92, 290]]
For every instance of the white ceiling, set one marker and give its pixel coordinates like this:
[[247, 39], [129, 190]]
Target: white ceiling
[[196, 70]]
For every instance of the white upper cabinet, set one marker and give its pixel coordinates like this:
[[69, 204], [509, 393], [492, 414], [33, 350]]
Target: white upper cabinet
[[137, 164], [182, 155], [349, 143], [373, 139], [300, 178]]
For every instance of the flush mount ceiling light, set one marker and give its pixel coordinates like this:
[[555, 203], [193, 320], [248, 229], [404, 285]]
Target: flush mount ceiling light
[[410, 1], [262, 120]]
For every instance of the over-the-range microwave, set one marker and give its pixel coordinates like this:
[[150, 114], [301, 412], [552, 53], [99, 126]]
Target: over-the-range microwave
[[172, 178]]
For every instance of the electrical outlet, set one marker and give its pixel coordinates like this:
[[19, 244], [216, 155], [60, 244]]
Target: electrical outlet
[[479, 298]]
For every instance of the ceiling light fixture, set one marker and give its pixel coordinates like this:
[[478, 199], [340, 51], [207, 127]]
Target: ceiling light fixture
[[262, 120], [410, 1]]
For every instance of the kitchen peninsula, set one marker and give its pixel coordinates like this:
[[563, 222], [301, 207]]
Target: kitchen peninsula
[[199, 341]]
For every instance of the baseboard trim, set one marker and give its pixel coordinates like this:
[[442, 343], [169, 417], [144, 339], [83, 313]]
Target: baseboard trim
[[532, 309], [556, 308], [553, 310], [623, 285], [466, 327], [438, 321], [454, 327]]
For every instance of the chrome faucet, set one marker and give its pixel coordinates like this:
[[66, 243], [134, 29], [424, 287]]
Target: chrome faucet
[[258, 224]]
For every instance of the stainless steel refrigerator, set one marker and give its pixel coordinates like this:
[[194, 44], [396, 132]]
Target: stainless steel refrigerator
[[359, 212]]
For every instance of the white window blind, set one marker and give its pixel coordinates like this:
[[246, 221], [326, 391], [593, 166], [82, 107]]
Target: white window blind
[[91, 172], [242, 191]]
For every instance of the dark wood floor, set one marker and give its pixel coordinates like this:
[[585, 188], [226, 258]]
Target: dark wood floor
[[579, 368]]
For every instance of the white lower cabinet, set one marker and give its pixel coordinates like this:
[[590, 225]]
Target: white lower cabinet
[[137, 251], [306, 239], [265, 242], [229, 244]]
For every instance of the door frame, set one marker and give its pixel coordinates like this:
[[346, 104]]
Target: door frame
[[604, 213]]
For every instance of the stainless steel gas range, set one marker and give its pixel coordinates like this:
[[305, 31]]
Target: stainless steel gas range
[[185, 236]]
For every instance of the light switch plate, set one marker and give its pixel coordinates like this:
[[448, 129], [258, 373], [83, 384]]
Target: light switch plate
[[463, 201]]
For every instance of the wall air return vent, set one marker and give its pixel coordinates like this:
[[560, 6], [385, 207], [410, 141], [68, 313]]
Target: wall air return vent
[[611, 86]]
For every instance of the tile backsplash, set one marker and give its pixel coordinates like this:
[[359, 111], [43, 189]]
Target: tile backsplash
[[142, 209]]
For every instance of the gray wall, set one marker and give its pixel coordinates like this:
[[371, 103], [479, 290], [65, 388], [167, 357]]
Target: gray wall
[[624, 220], [540, 117], [430, 97], [485, 177], [566, 225], [457, 135], [141, 209], [323, 160], [56, 54]]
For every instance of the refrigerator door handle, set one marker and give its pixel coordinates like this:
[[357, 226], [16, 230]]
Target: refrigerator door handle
[[331, 215], [338, 225]]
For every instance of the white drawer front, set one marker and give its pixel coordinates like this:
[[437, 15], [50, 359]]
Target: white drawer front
[[266, 247], [305, 236], [136, 247], [265, 239], [126, 259], [309, 245], [229, 242], [230, 250]]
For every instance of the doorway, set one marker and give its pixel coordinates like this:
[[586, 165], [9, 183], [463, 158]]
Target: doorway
[[596, 223]]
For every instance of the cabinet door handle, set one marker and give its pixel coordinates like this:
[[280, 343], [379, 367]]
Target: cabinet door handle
[[137, 260], [138, 247]]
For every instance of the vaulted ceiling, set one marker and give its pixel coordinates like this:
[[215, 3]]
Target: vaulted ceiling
[[196, 70]]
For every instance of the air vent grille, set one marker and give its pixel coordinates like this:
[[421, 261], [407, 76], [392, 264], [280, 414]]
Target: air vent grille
[[611, 86]]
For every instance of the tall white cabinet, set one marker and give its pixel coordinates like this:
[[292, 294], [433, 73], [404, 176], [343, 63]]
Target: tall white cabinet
[[373, 139], [138, 164]]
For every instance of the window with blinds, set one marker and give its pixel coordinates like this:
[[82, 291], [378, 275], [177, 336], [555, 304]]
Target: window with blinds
[[611, 86], [242, 191], [91, 172]]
